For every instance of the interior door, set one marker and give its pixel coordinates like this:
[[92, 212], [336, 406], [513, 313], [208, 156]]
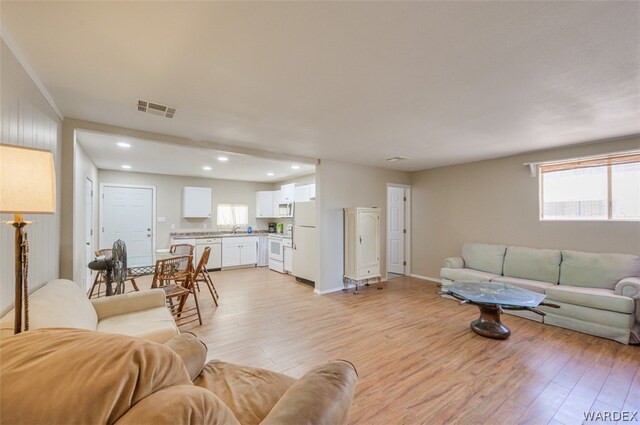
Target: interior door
[[368, 249], [395, 230], [88, 231], [127, 214]]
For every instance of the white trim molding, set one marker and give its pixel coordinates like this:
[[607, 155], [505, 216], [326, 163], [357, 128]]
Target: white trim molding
[[4, 34], [328, 291], [432, 279]]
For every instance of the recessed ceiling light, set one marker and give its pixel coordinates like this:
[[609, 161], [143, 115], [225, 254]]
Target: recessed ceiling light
[[270, 174], [295, 167], [126, 167], [123, 144], [206, 168], [223, 158]]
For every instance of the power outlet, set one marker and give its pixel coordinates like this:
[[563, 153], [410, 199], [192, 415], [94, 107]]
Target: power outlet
[[173, 227]]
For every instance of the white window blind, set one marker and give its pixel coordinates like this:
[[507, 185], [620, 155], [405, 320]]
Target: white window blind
[[605, 188], [231, 215]]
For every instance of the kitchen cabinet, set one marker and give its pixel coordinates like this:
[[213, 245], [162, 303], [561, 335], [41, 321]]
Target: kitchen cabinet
[[287, 193], [277, 197], [302, 193], [288, 258], [239, 251], [361, 243], [312, 191], [196, 202], [265, 204]]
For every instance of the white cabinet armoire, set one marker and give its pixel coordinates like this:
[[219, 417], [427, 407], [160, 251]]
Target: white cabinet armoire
[[361, 245]]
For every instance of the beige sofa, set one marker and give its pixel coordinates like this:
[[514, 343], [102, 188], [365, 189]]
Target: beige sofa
[[598, 294], [62, 304], [70, 376]]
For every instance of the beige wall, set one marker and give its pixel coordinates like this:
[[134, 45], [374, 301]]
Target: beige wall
[[169, 199], [28, 120], [340, 185], [496, 201]]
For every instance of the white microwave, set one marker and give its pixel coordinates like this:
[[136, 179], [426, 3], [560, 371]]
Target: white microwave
[[286, 210]]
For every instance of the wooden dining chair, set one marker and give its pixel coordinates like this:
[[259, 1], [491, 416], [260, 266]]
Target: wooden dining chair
[[101, 276], [175, 276], [201, 274], [181, 249]]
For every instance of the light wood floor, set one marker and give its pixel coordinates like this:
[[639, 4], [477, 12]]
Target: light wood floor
[[417, 359]]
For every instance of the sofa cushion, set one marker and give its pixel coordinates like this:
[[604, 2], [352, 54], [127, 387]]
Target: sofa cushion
[[592, 270], [484, 257], [603, 299], [72, 376], [531, 285], [59, 303], [533, 264], [466, 274], [155, 324], [249, 392]]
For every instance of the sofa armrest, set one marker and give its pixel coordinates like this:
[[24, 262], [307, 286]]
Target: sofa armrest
[[129, 303], [322, 396], [629, 287], [191, 350], [453, 263]]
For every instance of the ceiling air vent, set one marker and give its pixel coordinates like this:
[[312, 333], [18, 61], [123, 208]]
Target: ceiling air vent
[[397, 158], [156, 108]]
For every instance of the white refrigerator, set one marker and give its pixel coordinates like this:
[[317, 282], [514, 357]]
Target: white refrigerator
[[305, 250]]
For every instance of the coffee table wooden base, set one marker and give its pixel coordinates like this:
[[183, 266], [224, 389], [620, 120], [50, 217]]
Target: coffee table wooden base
[[489, 324]]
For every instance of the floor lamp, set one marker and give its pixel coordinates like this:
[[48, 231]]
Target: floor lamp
[[27, 186]]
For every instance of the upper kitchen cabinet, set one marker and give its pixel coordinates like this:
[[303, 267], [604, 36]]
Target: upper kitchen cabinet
[[265, 204], [288, 193], [302, 193], [312, 191], [196, 202], [277, 199]]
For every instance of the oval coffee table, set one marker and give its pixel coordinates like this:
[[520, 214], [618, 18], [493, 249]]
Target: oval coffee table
[[492, 299]]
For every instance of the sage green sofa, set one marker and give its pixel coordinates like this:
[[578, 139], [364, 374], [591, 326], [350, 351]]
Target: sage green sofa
[[598, 294]]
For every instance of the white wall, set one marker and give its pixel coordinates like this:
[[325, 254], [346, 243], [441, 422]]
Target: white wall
[[340, 185], [169, 199], [496, 201], [27, 120], [84, 169]]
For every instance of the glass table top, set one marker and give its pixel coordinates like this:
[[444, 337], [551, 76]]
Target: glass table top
[[495, 294], [148, 260]]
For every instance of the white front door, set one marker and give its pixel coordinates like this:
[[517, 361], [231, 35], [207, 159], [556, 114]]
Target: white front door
[[88, 231], [127, 214], [395, 229]]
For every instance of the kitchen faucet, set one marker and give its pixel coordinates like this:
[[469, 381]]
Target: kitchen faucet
[[235, 228]]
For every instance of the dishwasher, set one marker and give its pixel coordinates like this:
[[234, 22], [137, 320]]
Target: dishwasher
[[215, 257]]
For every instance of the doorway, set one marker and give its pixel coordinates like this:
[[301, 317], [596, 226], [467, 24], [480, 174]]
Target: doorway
[[128, 213], [398, 230], [88, 231]]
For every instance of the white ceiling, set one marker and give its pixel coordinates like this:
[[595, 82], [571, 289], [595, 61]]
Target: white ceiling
[[145, 156], [439, 82]]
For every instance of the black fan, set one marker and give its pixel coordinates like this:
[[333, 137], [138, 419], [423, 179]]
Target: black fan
[[115, 267]]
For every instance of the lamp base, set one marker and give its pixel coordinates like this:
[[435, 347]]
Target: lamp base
[[21, 263]]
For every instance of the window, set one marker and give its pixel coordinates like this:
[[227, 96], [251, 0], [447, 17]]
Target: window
[[230, 215], [606, 188]]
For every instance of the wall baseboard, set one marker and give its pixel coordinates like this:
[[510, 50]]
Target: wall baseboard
[[432, 279], [328, 291]]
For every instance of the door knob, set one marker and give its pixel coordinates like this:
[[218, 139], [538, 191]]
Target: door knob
[[88, 243]]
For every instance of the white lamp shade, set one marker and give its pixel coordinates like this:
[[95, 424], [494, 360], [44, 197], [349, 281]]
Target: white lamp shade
[[27, 180]]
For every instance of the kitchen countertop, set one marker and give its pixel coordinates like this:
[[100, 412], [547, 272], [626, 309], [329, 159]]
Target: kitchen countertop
[[204, 234]]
